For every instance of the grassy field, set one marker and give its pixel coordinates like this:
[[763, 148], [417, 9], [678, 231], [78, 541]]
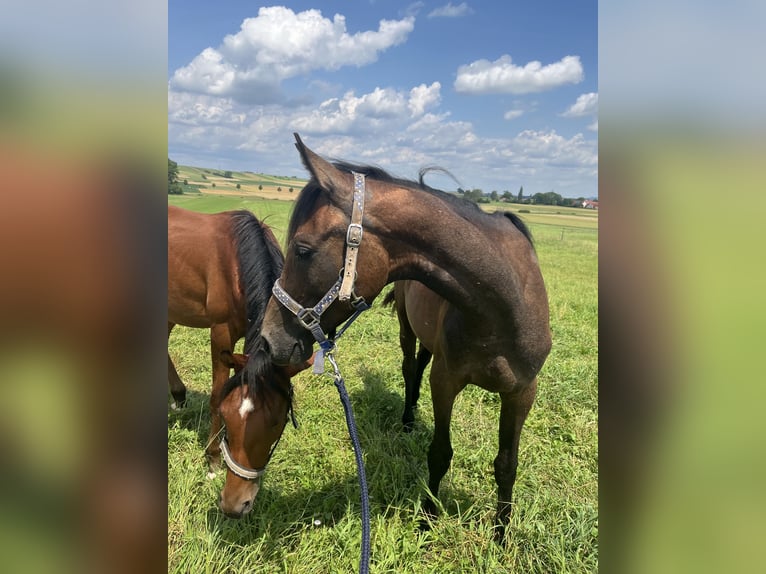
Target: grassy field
[[312, 475]]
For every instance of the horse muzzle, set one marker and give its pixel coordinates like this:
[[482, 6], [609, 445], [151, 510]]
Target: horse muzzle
[[288, 342], [240, 502]]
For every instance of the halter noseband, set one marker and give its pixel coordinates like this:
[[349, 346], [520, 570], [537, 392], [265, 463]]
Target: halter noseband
[[343, 288], [236, 468]]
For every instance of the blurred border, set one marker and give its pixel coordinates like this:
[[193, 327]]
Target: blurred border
[[83, 140], [681, 154]]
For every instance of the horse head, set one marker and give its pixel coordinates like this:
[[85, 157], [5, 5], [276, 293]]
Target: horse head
[[319, 242], [256, 406]]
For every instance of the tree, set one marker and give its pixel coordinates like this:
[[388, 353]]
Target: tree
[[238, 186], [260, 188], [494, 196], [474, 195], [520, 197], [173, 186], [547, 198], [227, 175]]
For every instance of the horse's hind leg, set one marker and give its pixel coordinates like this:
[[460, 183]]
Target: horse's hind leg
[[410, 372], [443, 393], [514, 408], [177, 388], [424, 357]]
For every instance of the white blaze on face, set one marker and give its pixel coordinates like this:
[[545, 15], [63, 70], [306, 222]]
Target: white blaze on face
[[246, 407]]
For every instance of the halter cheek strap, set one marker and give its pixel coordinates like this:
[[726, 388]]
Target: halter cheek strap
[[353, 239]]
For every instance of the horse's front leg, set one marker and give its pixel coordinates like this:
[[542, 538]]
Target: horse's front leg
[[220, 340], [177, 388], [514, 408]]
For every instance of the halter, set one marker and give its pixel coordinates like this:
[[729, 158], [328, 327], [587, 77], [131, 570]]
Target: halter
[[342, 289]]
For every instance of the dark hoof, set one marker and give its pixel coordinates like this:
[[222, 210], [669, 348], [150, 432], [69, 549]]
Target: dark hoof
[[498, 534], [429, 513], [424, 524]]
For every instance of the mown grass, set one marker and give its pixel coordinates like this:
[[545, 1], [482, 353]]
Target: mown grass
[[312, 474]]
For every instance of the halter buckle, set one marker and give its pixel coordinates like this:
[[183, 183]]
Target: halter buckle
[[313, 319], [354, 235]]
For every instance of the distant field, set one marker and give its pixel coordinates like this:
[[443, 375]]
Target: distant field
[[266, 186], [254, 188]]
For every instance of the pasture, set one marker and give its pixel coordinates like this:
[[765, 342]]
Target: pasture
[[312, 477]]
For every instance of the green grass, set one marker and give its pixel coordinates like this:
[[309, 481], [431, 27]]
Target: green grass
[[312, 474]]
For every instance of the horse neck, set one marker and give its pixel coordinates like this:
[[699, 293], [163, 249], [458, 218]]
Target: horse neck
[[477, 267]]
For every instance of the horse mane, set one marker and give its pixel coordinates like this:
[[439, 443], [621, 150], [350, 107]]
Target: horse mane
[[519, 224], [260, 262], [258, 374]]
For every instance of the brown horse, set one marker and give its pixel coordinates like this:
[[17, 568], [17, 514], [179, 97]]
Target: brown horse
[[221, 268], [495, 331]]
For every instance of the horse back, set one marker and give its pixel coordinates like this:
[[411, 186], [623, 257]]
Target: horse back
[[203, 274]]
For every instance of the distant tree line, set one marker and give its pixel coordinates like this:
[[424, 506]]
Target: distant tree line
[[546, 198]]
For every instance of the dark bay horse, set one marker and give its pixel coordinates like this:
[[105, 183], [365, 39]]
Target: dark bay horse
[[221, 268], [496, 327]]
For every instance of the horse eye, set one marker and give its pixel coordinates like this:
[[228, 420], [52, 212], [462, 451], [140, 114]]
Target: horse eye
[[303, 252]]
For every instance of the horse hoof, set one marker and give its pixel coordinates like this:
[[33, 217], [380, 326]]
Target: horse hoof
[[424, 524], [498, 534]]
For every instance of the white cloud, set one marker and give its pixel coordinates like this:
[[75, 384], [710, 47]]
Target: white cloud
[[586, 105], [383, 107], [504, 77], [423, 97], [513, 114], [279, 44], [400, 130], [450, 11]]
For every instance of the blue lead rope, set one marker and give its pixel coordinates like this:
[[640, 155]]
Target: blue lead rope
[[364, 560]]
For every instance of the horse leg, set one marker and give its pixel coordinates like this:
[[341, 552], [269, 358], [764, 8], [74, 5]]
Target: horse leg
[[408, 342], [514, 408], [220, 340], [177, 388], [443, 393], [424, 357]]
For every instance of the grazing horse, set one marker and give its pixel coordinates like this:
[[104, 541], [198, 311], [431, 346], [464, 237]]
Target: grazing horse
[[221, 268], [378, 229]]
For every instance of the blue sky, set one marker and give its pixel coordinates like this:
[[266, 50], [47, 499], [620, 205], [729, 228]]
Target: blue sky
[[500, 94]]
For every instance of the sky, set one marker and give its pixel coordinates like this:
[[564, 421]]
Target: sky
[[500, 94]]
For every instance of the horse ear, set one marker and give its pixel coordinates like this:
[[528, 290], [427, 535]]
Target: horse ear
[[293, 370], [328, 176]]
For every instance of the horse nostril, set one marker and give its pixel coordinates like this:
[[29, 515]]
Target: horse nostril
[[246, 506]]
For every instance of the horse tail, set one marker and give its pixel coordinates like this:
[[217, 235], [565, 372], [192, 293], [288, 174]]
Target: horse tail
[[390, 298], [519, 224], [260, 264]]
